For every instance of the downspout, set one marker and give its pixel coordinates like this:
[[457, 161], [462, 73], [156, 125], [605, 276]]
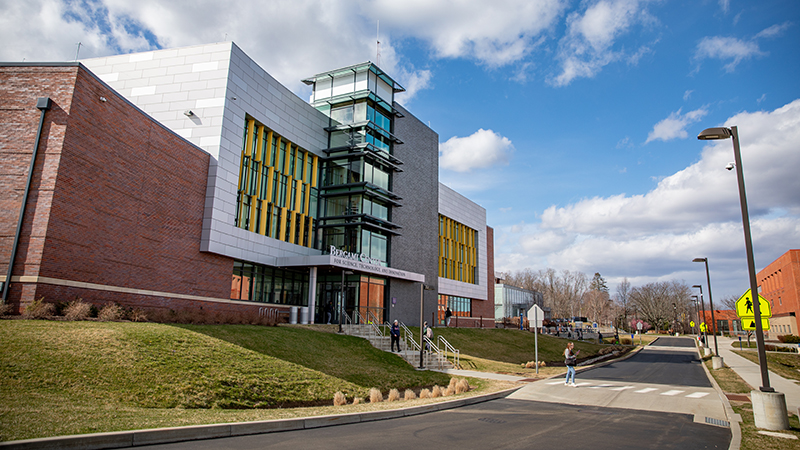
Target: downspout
[[43, 103]]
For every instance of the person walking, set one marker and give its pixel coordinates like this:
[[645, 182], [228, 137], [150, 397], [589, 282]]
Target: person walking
[[395, 334], [570, 359], [447, 315]]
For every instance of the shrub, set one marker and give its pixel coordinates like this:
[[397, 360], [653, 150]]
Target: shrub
[[789, 339], [436, 392], [453, 382], [137, 315], [357, 400], [394, 395], [39, 309], [425, 393], [375, 396], [111, 312], [77, 310], [4, 309], [449, 391], [339, 399], [462, 386], [409, 395]]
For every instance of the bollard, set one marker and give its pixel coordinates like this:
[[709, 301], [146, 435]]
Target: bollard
[[769, 410], [716, 362]]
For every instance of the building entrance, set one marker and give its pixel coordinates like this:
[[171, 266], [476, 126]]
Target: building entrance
[[364, 298]]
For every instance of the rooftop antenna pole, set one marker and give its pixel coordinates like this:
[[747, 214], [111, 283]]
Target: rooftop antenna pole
[[78, 52], [378, 38]]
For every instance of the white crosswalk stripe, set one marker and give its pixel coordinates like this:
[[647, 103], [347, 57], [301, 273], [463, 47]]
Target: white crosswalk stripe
[[672, 392], [618, 388], [697, 395]]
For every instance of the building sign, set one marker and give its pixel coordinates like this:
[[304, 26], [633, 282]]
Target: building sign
[[354, 256]]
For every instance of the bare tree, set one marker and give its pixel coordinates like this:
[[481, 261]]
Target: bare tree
[[563, 292], [623, 303], [728, 302], [662, 303], [597, 301]]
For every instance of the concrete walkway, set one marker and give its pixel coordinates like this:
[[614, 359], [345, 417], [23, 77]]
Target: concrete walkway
[[751, 373]]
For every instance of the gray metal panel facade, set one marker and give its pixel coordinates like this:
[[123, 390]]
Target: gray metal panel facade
[[417, 250]]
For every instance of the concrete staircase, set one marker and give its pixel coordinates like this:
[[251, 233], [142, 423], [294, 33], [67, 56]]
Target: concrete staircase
[[431, 360]]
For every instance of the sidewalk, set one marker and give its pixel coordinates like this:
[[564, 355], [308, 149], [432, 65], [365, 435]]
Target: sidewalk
[[751, 373]]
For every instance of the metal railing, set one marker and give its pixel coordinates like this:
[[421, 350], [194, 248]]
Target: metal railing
[[448, 348], [408, 338]]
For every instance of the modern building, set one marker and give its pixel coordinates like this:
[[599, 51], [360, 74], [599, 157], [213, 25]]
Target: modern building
[[779, 284], [190, 178], [511, 301]]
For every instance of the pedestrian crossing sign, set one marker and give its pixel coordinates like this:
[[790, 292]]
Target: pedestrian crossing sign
[[744, 307]]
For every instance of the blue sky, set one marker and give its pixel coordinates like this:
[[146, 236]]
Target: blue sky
[[573, 123]]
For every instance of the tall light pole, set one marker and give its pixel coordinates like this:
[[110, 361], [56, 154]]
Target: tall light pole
[[703, 308], [422, 289], [696, 303], [769, 407], [725, 133], [710, 304], [341, 298]]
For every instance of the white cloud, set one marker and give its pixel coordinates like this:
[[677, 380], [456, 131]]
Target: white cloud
[[482, 149], [774, 30], [495, 35], [589, 43], [674, 126], [48, 30], [694, 212], [727, 48]]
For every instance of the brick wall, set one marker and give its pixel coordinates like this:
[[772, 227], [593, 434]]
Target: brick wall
[[485, 308], [117, 200]]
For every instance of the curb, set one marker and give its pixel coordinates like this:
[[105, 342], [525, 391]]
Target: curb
[[733, 418], [125, 439]]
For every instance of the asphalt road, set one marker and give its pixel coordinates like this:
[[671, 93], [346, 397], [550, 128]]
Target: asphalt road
[[659, 363], [667, 373], [499, 424]]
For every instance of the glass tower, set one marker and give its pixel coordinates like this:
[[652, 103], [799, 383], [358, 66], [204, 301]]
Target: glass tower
[[355, 190]]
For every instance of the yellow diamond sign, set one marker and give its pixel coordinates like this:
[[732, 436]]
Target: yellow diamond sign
[[744, 307]]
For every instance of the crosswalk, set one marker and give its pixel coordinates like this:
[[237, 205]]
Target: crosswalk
[[647, 390]]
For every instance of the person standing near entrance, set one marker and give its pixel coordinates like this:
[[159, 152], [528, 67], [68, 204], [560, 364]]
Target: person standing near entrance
[[570, 359], [395, 334], [328, 312], [447, 315]]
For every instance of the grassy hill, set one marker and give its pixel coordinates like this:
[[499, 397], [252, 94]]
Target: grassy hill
[[62, 377], [109, 376]]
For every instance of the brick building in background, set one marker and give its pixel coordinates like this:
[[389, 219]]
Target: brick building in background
[[780, 286]]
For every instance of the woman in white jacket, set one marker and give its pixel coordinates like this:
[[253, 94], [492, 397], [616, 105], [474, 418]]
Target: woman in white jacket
[[570, 360]]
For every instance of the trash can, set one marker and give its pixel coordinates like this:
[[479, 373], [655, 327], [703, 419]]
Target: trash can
[[304, 315], [293, 315]]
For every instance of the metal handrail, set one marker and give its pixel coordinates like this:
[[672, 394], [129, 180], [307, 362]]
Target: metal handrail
[[377, 326], [434, 349], [408, 336], [449, 348]]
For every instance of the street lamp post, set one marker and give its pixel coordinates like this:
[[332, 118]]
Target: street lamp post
[[703, 309], [763, 418], [422, 289], [696, 303], [341, 298]]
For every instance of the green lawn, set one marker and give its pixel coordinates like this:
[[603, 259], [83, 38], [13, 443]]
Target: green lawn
[[512, 346], [110, 376], [786, 365], [114, 376]]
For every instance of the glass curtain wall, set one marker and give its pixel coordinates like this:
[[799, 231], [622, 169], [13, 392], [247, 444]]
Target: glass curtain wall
[[264, 284], [459, 306]]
